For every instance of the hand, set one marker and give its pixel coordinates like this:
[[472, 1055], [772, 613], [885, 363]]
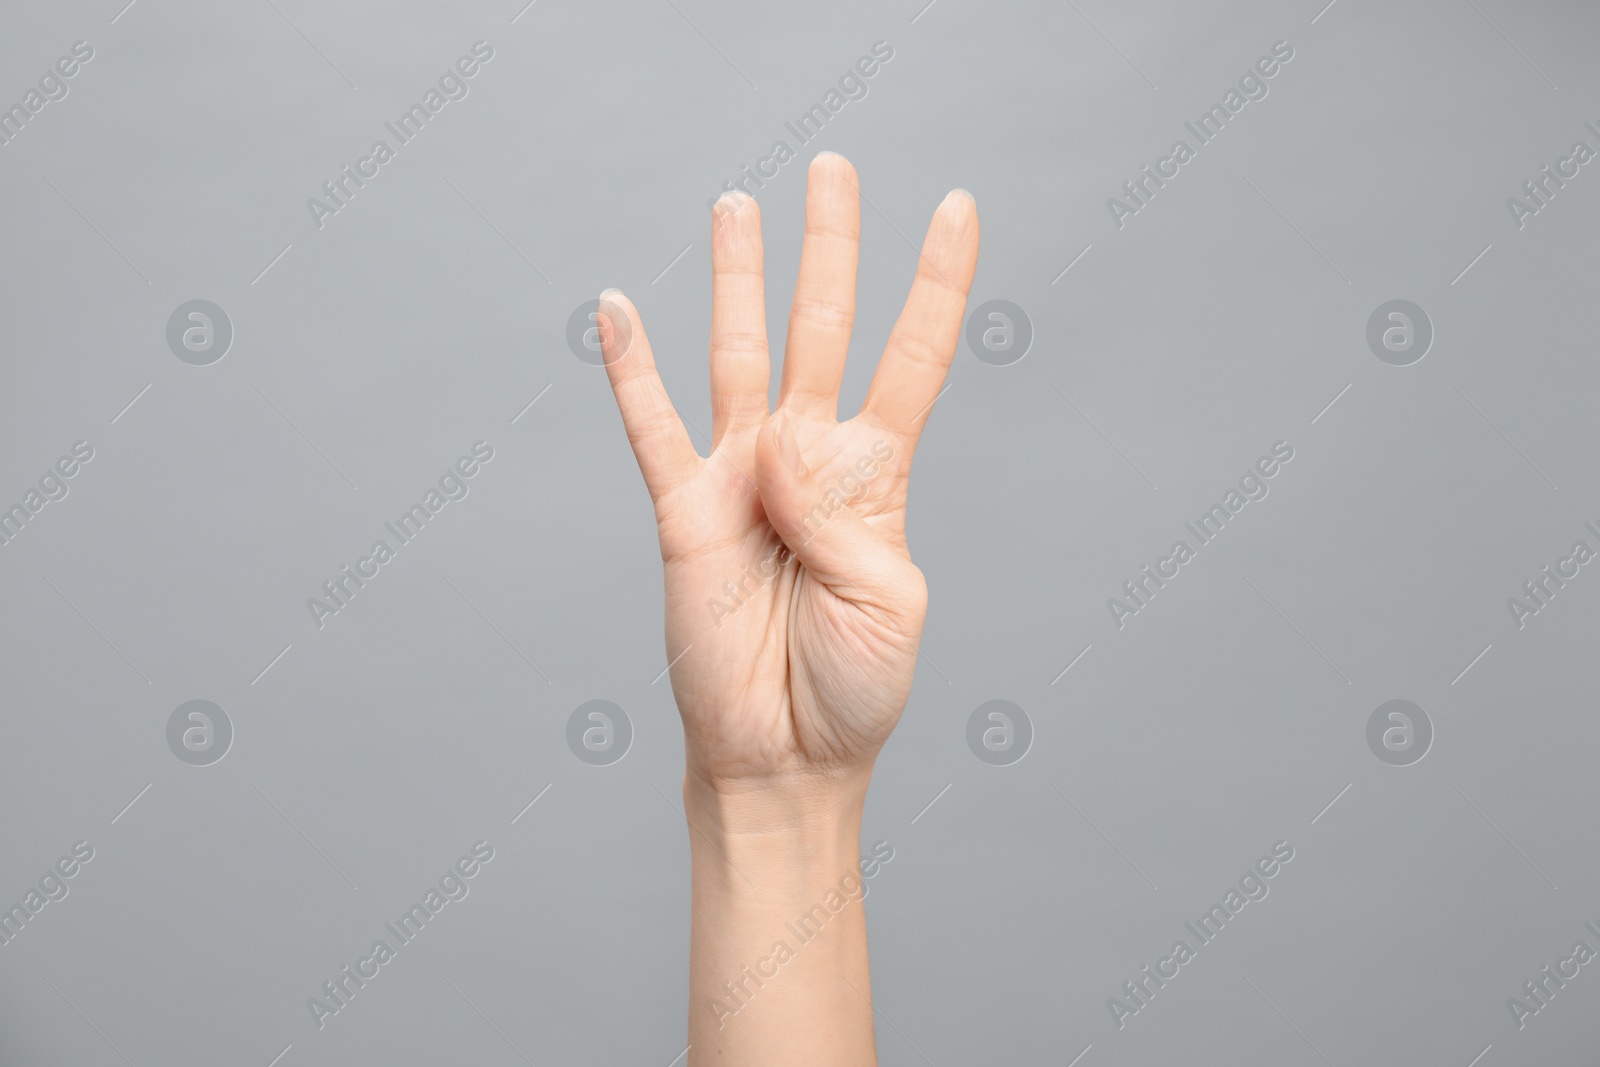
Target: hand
[[793, 609]]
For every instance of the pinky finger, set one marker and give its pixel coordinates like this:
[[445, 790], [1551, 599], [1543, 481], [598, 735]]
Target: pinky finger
[[660, 443]]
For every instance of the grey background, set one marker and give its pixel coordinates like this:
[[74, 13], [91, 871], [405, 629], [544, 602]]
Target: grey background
[[1225, 717]]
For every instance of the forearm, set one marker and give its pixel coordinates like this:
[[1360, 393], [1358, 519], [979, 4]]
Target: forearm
[[778, 950]]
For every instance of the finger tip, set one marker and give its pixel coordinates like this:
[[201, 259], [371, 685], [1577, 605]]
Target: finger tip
[[735, 204], [767, 433], [957, 215], [770, 437], [960, 198], [830, 169]]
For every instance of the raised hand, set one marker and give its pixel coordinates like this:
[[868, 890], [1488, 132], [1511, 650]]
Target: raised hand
[[793, 612], [793, 609]]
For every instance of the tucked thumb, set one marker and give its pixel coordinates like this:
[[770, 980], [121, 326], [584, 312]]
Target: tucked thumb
[[817, 524]]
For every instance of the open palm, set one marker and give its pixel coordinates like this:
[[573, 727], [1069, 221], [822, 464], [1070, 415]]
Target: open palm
[[793, 609]]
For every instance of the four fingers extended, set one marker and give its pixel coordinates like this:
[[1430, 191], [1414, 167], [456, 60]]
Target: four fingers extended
[[909, 376]]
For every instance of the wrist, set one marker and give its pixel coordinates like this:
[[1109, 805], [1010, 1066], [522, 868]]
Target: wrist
[[778, 968], [790, 830], [807, 803]]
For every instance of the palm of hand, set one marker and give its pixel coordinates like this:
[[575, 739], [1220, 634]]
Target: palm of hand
[[793, 610], [780, 669]]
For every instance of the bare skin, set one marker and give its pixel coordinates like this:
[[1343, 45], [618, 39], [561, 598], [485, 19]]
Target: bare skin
[[793, 612]]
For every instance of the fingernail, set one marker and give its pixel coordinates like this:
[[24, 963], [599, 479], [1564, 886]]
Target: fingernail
[[610, 292], [788, 447], [962, 192]]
